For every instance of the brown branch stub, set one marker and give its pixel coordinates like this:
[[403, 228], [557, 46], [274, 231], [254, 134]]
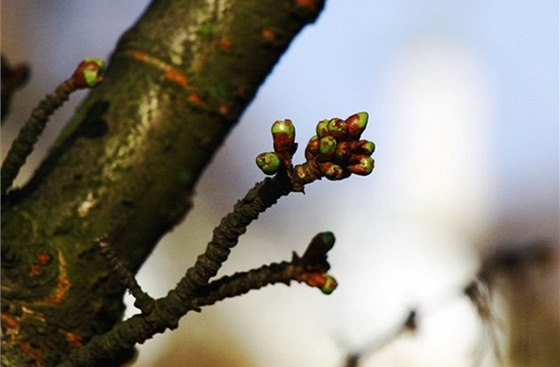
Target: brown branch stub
[[14, 77]]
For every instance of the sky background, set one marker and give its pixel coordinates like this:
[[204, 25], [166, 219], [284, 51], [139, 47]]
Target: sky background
[[463, 103]]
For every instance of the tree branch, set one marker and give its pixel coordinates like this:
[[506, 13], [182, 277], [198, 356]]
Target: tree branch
[[127, 162], [311, 268], [86, 75]]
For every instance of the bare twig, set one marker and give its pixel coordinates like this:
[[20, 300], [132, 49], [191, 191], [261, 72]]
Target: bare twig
[[86, 75], [300, 269], [143, 301], [408, 325], [143, 326]]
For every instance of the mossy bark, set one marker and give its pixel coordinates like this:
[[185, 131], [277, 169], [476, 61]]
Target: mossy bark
[[126, 164]]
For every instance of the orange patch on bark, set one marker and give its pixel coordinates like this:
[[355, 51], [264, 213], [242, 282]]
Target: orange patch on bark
[[224, 44], [9, 320], [37, 354], [307, 4], [224, 110], [169, 72], [268, 34], [139, 55], [44, 258], [176, 76], [195, 99], [61, 290], [74, 340], [36, 270]]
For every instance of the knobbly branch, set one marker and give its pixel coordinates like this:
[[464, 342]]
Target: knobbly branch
[[311, 268], [195, 290], [143, 301]]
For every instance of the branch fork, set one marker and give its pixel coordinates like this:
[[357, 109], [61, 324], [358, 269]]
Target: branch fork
[[197, 289]]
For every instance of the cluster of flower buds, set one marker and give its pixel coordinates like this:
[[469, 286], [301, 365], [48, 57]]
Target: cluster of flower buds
[[283, 135], [338, 149], [88, 73]]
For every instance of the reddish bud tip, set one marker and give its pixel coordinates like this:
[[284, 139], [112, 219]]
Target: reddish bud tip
[[343, 151], [312, 148], [364, 147], [357, 124], [364, 166]]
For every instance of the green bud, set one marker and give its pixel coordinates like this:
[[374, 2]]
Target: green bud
[[321, 128], [357, 124], [268, 162], [329, 286], [338, 128], [364, 166], [332, 171], [363, 147], [285, 127], [327, 238], [283, 135], [93, 70], [327, 146], [366, 147]]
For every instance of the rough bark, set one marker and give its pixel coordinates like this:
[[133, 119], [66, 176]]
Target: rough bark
[[126, 164]]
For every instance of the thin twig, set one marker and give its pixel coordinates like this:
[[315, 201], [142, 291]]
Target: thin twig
[[408, 325], [141, 327], [261, 197], [241, 283], [29, 134], [86, 75], [143, 301]]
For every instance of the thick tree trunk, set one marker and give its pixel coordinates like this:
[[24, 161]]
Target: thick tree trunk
[[126, 164]]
